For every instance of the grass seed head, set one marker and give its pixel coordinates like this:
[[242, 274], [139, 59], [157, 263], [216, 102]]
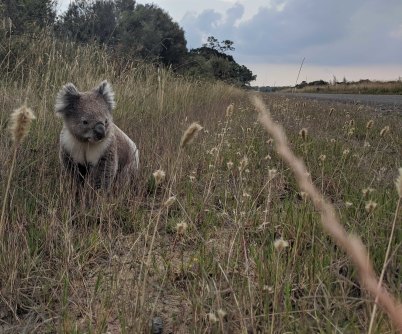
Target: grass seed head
[[229, 110], [243, 163], [159, 176], [304, 196], [272, 173], [367, 191], [280, 244], [370, 206], [170, 201], [303, 134], [20, 122], [348, 204], [229, 165], [181, 228], [212, 318], [190, 134], [221, 313], [322, 158], [369, 124], [398, 183], [384, 131], [346, 152]]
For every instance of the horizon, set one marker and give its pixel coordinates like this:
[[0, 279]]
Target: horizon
[[358, 41]]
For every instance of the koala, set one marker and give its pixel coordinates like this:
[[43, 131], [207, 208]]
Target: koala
[[93, 150]]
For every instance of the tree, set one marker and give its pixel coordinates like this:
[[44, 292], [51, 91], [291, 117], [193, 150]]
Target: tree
[[84, 22], [210, 61], [149, 32], [29, 15], [214, 44], [136, 31]]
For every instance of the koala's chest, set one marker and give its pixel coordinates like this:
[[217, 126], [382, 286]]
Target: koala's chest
[[83, 153]]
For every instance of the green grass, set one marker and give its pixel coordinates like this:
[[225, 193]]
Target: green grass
[[116, 264]]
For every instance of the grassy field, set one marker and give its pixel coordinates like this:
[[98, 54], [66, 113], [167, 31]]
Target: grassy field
[[207, 263], [369, 87]]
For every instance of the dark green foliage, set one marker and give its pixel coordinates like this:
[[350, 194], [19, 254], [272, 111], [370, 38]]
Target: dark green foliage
[[85, 22], [149, 32], [136, 31], [211, 62], [127, 30], [28, 15], [214, 44]]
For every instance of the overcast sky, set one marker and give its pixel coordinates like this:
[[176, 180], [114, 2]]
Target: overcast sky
[[356, 39]]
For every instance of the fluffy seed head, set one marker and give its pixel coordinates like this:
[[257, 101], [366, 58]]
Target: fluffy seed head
[[331, 111], [20, 122], [170, 201], [370, 206], [384, 131], [221, 313], [229, 110], [280, 244], [181, 228], [303, 195], [272, 173], [212, 317], [322, 157], [398, 183], [367, 191], [303, 134], [369, 124], [348, 204], [159, 176], [190, 134], [243, 163], [346, 152]]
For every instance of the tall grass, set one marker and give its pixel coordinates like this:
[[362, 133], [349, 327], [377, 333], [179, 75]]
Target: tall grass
[[206, 261]]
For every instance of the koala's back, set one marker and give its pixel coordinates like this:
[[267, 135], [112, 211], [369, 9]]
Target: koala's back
[[127, 152]]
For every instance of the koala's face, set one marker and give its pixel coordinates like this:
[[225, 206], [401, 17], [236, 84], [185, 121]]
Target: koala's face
[[88, 116]]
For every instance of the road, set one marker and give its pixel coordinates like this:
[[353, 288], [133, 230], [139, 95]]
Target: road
[[380, 102]]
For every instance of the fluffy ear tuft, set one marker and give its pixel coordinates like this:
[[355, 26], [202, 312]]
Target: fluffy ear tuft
[[66, 96], [106, 90]]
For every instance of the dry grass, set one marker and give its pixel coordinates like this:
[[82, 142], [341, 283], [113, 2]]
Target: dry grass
[[371, 87], [207, 261]]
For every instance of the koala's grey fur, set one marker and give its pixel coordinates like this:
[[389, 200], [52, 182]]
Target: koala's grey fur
[[92, 148]]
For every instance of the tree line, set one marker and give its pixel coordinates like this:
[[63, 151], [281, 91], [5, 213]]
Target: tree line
[[128, 30]]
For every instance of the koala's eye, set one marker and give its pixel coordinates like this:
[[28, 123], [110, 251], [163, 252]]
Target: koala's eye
[[107, 121], [85, 122]]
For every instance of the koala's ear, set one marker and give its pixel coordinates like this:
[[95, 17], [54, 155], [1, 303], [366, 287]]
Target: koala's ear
[[106, 91], [66, 97]]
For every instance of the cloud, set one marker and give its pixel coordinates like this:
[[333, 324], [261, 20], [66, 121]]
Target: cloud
[[323, 31]]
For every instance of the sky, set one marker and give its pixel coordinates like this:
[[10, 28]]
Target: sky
[[352, 39]]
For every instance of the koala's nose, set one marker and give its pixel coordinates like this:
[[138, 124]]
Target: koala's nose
[[99, 130]]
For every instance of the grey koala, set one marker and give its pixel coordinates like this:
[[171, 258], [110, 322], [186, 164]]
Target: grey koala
[[92, 148]]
